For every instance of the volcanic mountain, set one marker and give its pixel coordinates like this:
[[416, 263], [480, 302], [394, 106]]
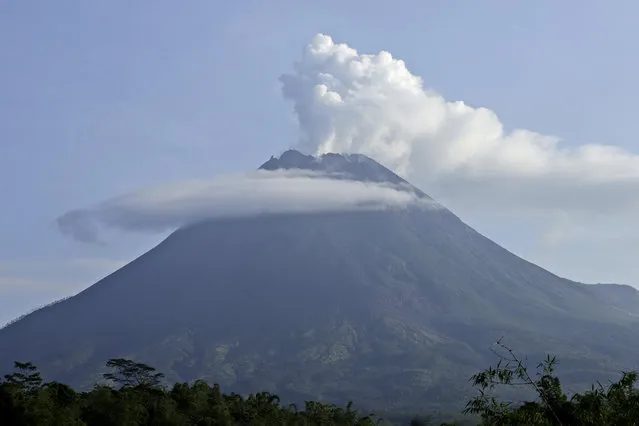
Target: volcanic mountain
[[389, 308]]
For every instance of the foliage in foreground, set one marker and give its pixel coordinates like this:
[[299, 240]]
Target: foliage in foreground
[[138, 398], [135, 396], [615, 404]]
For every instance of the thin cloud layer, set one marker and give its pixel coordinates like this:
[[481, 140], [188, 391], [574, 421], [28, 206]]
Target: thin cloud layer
[[372, 104], [173, 205]]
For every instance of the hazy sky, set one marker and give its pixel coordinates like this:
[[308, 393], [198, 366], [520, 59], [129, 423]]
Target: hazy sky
[[99, 99]]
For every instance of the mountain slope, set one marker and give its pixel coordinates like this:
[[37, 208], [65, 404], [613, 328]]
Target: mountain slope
[[389, 308]]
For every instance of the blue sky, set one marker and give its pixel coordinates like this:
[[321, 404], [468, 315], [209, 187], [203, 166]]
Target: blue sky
[[101, 98]]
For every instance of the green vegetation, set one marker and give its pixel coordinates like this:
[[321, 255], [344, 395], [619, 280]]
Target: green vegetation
[[133, 394], [615, 404]]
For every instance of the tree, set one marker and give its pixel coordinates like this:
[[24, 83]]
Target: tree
[[130, 374], [27, 377], [139, 400], [616, 405]]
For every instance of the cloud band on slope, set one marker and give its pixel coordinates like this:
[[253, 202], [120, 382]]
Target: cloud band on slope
[[349, 102], [173, 205]]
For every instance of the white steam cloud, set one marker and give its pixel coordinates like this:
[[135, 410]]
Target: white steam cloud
[[371, 104], [171, 206], [347, 102]]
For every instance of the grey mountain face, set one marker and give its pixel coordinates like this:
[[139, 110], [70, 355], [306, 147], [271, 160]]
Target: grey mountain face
[[387, 308]]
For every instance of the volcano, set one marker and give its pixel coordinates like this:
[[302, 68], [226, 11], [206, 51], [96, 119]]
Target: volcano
[[389, 308]]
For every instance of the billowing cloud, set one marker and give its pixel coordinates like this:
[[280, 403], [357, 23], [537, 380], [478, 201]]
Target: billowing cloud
[[173, 205], [372, 104]]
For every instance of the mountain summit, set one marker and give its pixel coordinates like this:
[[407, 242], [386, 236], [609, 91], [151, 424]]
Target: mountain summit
[[391, 308], [350, 166], [356, 167]]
